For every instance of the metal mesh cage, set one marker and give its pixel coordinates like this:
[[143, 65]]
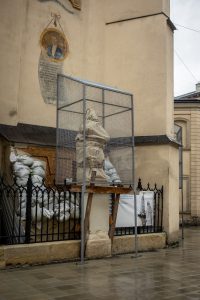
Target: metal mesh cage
[[95, 132]]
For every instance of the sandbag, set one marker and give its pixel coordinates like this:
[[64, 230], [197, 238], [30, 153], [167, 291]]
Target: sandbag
[[38, 171], [18, 166], [37, 180], [74, 211], [48, 213], [13, 157], [38, 163], [23, 172], [61, 207], [25, 159], [22, 181], [63, 217], [22, 213]]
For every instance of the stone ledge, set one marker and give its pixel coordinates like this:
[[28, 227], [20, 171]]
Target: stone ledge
[[146, 242], [40, 253], [44, 253]]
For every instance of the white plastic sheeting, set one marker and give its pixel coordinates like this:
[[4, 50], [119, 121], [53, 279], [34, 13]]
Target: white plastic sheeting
[[145, 210]]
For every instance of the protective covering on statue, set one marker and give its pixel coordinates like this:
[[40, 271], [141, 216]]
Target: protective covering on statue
[[95, 140]]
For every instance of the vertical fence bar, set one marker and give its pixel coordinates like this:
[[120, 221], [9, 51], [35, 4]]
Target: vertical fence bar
[[20, 216], [28, 210], [158, 220], [1, 197], [84, 177], [162, 208], [155, 211]]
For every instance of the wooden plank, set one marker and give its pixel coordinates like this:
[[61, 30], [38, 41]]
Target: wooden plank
[[114, 217], [88, 209], [98, 189]]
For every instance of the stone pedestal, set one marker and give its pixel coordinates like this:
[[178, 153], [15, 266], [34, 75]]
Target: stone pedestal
[[98, 243]]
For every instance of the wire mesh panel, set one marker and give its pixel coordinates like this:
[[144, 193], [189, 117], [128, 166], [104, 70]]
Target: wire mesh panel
[[94, 133]]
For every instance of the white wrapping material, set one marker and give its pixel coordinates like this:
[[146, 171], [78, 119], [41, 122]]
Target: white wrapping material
[[37, 180], [40, 197], [38, 163], [37, 213], [112, 176], [22, 180], [108, 165], [19, 166], [25, 159], [94, 129], [48, 213], [47, 204], [74, 211], [38, 171], [13, 157], [61, 207], [73, 199], [63, 217], [23, 214], [23, 172]]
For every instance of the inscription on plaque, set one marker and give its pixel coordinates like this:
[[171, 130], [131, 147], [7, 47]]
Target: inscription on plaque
[[48, 79]]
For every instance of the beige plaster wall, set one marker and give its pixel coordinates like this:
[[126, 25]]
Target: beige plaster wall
[[159, 164], [119, 10], [138, 59], [12, 24], [111, 54], [169, 86]]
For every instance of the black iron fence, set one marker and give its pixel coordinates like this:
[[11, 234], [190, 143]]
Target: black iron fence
[[40, 213], [31, 214], [149, 211]]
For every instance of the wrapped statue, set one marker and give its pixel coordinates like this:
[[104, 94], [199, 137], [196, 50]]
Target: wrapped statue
[[96, 138]]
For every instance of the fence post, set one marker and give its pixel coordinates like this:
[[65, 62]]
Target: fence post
[[28, 210]]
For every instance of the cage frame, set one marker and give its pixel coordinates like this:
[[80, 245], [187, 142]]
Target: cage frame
[[86, 83]]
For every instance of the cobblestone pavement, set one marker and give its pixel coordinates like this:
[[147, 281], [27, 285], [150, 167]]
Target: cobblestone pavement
[[172, 273]]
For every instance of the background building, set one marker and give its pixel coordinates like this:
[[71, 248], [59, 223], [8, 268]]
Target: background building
[[124, 44], [187, 116]]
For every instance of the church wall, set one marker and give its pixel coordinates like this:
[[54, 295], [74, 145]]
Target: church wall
[[12, 24], [137, 59]]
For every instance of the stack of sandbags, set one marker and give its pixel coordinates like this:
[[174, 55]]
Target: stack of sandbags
[[112, 176], [44, 203], [38, 172], [21, 167], [66, 207]]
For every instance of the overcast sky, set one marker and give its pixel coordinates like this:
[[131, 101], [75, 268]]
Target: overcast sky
[[186, 45]]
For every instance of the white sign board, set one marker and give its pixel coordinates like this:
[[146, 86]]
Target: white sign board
[[145, 210]]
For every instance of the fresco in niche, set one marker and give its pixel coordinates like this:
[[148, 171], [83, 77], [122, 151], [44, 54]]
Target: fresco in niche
[[54, 44], [54, 49]]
